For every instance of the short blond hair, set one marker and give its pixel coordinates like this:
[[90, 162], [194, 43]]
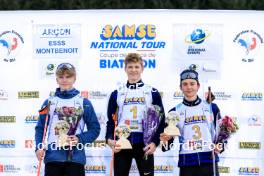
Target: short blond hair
[[133, 57], [66, 68]]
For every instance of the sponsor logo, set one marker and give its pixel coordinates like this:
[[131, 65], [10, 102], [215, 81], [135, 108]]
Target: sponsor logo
[[50, 69], [248, 171], [58, 41], [85, 94], [7, 119], [126, 32], [178, 95], [9, 168], [249, 41], [3, 95], [223, 169], [134, 100], [28, 94], [31, 119], [120, 63], [141, 38], [195, 119], [163, 168], [252, 96], [29, 143], [250, 145], [7, 143], [197, 37], [10, 44], [254, 120], [209, 70], [220, 95], [95, 168], [96, 95]]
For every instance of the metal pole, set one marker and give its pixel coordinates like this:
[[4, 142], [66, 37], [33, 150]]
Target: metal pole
[[44, 137], [114, 116], [210, 102]]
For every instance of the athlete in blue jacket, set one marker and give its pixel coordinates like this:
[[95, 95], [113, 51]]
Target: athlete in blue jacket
[[197, 122], [72, 124]]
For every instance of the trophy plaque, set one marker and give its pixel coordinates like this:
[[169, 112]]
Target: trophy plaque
[[172, 119], [61, 130], [123, 132]]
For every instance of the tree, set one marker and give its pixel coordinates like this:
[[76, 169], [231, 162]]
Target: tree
[[125, 4]]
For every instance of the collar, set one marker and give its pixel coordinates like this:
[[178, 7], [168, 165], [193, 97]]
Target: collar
[[135, 85], [66, 94], [192, 103]]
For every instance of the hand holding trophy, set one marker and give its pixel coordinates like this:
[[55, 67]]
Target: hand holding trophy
[[122, 132], [61, 129], [172, 119]]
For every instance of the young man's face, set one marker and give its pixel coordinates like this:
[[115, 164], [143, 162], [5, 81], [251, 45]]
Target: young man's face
[[134, 70], [65, 81], [190, 88]]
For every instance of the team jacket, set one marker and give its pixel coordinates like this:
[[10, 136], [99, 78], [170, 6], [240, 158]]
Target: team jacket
[[197, 126], [71, 114]]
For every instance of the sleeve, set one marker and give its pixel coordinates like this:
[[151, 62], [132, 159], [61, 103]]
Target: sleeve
[[91, 122], [156, 100], [39, 128], [217, 116], [216, 112], [111, 109]]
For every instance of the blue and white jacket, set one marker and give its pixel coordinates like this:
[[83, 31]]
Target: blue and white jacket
[[126, 97], [73, 113], [197, 126]]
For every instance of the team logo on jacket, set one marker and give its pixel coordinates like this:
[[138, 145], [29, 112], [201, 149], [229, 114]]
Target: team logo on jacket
[[95, 169]]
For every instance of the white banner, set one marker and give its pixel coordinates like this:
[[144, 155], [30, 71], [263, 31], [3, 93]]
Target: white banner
[[225, 47]]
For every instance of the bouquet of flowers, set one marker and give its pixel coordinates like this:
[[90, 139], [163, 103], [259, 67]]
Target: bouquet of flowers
[[227, 127], [151, 123], [71, 115]]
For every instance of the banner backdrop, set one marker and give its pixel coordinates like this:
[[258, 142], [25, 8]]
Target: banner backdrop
[[226, 47]]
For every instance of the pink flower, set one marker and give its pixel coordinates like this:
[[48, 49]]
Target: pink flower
[[227, 127]]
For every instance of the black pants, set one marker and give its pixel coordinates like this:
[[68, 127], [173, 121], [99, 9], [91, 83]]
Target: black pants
[[202, 170], [64, 169], [123, 160]]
